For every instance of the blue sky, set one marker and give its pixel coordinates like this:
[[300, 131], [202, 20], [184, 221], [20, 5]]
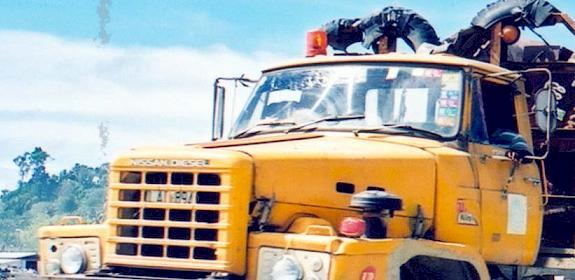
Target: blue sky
[[275, 26], [151, 83]]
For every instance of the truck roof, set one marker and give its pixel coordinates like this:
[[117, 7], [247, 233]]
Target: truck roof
[[439, 59]]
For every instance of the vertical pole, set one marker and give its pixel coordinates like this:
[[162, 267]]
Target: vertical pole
[[222, 113], [387, 44], [218, 111], [215, 104], [495, 50]]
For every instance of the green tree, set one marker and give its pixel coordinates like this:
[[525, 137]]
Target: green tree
[[42, 199], [34, 161]]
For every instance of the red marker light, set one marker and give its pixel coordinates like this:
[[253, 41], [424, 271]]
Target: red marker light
[[316, 43], [352, 227], [460, 206]]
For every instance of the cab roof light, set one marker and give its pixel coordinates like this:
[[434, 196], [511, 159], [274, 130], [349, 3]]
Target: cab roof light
[[316, 43]]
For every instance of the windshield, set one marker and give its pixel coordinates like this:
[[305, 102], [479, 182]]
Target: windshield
[[374, 95]]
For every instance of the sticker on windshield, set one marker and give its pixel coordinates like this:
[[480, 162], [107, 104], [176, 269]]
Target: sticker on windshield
[[434, 73], [448, 103], [447, 108], [392, 73], [451, 81], [418, 72], [284, 95], [410, 105]]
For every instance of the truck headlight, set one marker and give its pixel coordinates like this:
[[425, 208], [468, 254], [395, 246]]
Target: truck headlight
[[69, 255], [73, 259], [279, 264], [287, 268]]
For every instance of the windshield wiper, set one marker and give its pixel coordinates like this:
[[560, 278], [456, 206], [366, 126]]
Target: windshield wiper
[[326, 119], [415, 130], [401, 129], [250, 130]]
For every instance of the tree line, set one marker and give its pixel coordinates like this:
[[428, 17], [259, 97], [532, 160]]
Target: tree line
[[41, 198]]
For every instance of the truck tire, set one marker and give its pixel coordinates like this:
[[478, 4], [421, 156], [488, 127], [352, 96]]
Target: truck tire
[[394, 22], [398, 23], [536, 12]]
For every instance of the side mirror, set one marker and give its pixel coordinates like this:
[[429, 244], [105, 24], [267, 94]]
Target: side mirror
[[546, 110], [218, 111]]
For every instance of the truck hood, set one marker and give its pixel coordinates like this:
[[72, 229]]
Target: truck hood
[[323, 171]]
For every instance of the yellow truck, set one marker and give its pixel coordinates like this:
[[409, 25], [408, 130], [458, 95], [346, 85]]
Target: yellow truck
[[380, 166]]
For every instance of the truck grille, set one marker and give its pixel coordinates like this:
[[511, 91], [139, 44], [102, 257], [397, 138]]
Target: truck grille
[[174, 220]]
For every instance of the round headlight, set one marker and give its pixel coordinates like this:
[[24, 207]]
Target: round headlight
[[73, 260], [287, 268]]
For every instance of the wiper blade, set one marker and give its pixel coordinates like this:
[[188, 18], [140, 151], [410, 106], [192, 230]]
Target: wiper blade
[[326, 119], [275, 123], [415, 130], [401, 129], [250, 130]]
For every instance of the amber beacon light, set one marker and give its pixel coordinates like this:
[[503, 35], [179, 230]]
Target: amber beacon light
[[316, 43], [510, 34]]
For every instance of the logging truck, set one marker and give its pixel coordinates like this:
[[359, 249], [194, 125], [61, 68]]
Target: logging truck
[[455, 161]]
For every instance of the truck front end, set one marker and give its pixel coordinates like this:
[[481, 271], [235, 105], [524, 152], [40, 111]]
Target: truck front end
[[268, 202], [180, 209]]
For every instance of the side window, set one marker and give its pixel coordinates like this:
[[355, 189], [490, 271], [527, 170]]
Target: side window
[[498, 108]]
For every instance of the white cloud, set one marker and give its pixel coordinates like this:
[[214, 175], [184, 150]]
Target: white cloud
[[54, 93]]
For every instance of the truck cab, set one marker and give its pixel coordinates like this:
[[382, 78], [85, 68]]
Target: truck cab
[[381, 166], [272, 199]]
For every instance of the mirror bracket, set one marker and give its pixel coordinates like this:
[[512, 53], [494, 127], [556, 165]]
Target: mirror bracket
[[218, 110]]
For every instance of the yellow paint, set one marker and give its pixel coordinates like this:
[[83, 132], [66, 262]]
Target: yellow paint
[[50, 233], [461, 191], [453, 187], [498, 245], [235, 171], [311, 168], [441, 59], [351, 256]]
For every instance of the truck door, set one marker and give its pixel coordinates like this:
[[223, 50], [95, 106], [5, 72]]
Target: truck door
[[511, 213]]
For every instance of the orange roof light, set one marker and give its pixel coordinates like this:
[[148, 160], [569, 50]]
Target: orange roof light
[[316, 43], [510, 34]]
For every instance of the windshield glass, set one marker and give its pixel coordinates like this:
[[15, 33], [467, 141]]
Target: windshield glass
[[418, 97]]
